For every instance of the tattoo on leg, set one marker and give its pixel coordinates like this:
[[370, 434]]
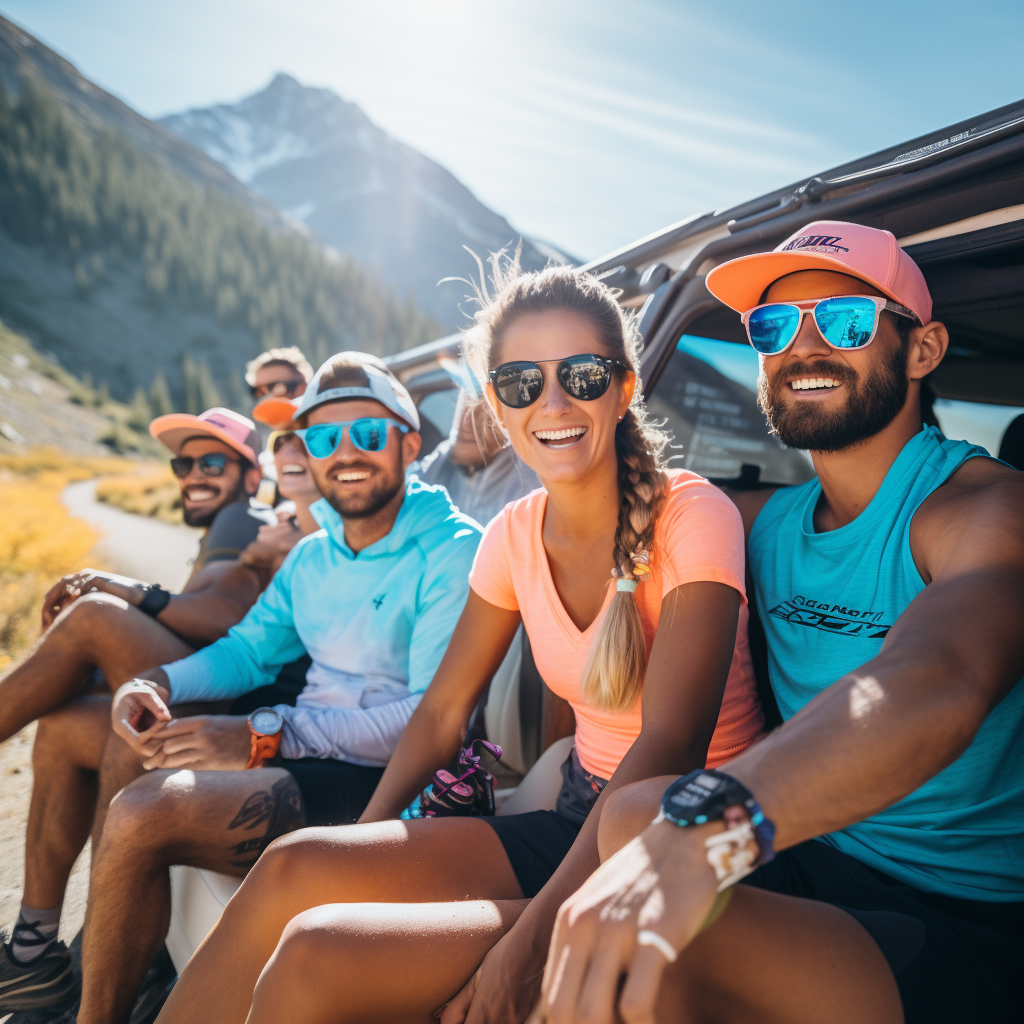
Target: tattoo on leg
[[281, 808]]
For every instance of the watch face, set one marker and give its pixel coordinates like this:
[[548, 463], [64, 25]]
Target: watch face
[[265, 721], [696, 791]]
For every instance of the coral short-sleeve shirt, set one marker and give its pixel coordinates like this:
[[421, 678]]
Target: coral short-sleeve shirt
[[698, 537]]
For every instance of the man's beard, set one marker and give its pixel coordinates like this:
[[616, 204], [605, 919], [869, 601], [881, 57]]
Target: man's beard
[[871, 404], [364, 506], [198, 517]]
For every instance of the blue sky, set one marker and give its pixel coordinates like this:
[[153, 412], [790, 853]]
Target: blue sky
[[587, 123]]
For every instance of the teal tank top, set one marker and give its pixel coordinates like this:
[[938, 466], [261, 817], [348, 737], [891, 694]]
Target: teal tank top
[[826, 601]]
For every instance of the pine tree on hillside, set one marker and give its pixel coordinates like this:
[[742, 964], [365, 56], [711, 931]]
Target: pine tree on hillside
[[160, 403], [86, 194]]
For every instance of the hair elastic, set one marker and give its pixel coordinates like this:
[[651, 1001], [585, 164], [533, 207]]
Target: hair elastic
[[626, 585]]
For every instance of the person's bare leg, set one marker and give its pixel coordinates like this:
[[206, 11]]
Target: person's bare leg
[[779, 960], [216, 820], [769, 958], [97, 631], [371, 962], [436, 860], [65, 760], [120, 765]]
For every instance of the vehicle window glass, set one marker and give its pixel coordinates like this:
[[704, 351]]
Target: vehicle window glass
[[439, 408], [708, 396], [975, 421]]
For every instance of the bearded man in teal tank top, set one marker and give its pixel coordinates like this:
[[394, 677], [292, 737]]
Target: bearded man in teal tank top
[[891, 591]]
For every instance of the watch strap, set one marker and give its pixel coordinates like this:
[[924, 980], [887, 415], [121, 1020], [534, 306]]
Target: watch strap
[[263, 749], [155, 600]]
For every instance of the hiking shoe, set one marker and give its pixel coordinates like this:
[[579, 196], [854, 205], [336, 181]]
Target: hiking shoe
[[46, 981]]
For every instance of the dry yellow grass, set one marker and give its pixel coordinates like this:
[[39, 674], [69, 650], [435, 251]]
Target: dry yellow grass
[[39, 540], [149, 492]]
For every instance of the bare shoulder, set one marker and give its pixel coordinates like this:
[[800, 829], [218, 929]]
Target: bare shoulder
[[976, 517], [750, 504]]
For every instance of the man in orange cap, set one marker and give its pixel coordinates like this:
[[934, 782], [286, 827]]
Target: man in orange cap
[[102, 629], [877, 833]]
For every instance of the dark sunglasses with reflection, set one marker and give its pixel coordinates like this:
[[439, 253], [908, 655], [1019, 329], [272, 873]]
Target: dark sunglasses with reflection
[[276, 389], [585, 377], [210, 464]]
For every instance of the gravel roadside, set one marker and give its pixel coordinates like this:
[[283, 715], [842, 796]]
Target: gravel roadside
[[136, 546]]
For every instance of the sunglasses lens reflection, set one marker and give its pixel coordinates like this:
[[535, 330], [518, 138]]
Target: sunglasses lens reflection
[[518, 384], [847, 322], [584, 377], [772, 328]]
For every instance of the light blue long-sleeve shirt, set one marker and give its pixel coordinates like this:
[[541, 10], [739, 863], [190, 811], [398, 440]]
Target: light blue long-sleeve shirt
[[376, 625]]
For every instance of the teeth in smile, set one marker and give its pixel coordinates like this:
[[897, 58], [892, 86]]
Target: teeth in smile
[[351, 477], [810, 383], [291, 467], [559, 435]]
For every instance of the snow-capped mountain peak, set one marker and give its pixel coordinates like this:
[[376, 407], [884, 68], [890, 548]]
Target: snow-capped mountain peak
[[322, 162]]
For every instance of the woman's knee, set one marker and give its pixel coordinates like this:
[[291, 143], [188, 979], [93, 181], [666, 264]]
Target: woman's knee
[[627, 812]]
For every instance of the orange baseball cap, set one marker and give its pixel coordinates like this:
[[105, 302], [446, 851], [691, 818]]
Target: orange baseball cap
[[232, 429], [869, 254], [278, 413]]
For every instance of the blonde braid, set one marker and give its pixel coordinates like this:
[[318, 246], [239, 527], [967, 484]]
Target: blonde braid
[[613, 676]]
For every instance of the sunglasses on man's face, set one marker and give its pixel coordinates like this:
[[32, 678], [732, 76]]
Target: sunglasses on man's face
[[210, 464], [584, 377], [277, 389], [369, 434], [845, 322]]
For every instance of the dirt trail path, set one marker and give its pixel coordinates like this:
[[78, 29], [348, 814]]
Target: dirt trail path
[[136, 546]]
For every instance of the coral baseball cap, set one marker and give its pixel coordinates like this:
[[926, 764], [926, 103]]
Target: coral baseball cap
[[232, 429], [354, 375], [870, 254]]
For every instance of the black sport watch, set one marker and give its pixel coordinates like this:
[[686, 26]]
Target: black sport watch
[[154, 601], [705, 795]]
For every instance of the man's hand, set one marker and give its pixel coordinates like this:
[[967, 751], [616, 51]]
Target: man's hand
[[265, 554], [69, 588], [660, 882], [203, 742], [138, 713], [504, 988]]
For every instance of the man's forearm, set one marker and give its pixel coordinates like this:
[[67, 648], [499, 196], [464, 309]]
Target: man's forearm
[[206, 615], [869, 740]]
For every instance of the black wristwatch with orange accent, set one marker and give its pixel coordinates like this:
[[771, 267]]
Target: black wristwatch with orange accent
[[154, 601]]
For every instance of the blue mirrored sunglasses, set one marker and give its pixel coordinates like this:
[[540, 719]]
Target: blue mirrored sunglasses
[[845, 322], [368, 435]]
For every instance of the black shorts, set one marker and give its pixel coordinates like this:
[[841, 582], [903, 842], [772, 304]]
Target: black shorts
[[954, 960], [333, 792], [535, 844]]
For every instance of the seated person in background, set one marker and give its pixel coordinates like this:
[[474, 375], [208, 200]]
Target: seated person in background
[[373, 598], [892, 595], [102, 629], [476, 464], [297, 488], [278, 373], [629, 580]]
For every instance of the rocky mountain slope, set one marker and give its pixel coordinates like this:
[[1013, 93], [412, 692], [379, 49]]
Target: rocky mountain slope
[[128, 255], [324, 163]]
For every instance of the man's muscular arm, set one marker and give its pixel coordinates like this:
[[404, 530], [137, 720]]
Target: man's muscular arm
[[881, 731]]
